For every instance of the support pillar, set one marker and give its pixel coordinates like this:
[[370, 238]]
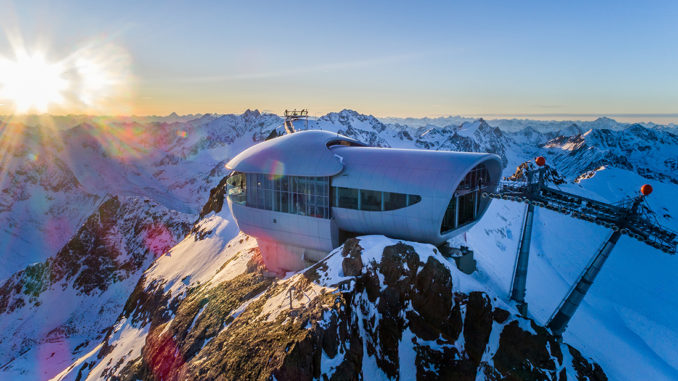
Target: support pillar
[[289, 127], [569, 305], [519, 282]]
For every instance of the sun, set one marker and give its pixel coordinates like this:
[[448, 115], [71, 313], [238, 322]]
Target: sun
[[31, 83]]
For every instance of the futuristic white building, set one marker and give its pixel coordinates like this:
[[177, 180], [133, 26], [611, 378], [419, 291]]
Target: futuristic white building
[[302, 194]]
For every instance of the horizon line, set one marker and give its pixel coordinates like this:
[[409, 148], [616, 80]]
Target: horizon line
[[433, 116]]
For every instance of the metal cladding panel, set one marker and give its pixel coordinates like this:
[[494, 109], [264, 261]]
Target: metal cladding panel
[[415, 222], [292, 229], [433, 175], [303, 153], [422, 172]]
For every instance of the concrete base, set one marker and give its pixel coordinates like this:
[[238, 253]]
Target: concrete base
[[281, 258], [463, 258]]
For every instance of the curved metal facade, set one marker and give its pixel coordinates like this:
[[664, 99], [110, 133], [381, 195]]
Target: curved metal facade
[[433, 175], [442, 190], [303, 153]]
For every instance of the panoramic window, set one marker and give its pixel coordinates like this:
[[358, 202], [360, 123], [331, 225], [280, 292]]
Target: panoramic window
[[370, 200], [450, 218], [306, 196], [413, 199], [236, 187], [394, 200], [464, 206], [346, 198]]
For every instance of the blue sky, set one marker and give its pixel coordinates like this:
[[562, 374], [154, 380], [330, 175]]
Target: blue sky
[[383, 58]]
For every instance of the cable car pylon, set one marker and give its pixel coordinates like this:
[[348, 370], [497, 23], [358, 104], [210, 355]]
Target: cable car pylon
[[519, 281], [631, 216]]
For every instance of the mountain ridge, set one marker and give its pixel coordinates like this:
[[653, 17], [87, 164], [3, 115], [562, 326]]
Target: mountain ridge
[[177, 163]]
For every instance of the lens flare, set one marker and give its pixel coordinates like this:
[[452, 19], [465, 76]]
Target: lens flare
[[31, 83], [158, 239], [95, 78], [276, 170]]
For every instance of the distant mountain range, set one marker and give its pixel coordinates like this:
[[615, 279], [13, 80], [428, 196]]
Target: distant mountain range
[[106, 258], [506, 124]]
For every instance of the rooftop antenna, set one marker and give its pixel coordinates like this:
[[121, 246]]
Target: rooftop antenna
[[630, 217], [293, 115]]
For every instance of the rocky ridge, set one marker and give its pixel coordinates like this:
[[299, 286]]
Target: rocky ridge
[[374, 309], [44, 302], [172, 160]]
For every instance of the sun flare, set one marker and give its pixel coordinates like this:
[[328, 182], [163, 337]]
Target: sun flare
[[93, 78], [31, 83]]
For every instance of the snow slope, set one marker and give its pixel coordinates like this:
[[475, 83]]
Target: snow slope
[[53, 311], [51, 179], [206, 309], [48, 191]]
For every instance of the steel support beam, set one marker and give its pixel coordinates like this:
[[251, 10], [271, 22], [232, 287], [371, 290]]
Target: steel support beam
[[289, 127], [569, 305], [519, 282]]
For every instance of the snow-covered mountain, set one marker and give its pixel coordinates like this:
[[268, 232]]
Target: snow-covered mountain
[[374, 308], [54, 309], [647, 152], [51, 179], [193, 304]]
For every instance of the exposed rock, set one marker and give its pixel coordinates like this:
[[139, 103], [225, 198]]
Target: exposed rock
[[216, 200], [114, 243], [355, 315], [99, 265]]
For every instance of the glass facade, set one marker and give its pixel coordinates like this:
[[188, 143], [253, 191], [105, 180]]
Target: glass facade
[[467, 208], [236, 186], [309, 196], [464, 206], [306, 196], [345, 197], [369, 200]]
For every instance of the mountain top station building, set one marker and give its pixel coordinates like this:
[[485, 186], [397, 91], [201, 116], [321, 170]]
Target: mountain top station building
[[302, 194]]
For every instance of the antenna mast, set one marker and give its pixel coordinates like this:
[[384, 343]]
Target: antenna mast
[[293, 115]]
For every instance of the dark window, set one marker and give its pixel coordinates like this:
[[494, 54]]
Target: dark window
[[477, 177], [394, 201], [268, 199], [370, 200], [467, 208], [465, 204], [284, 202], [299, 205], [260, 201], [343, 143], [449, 220], [347, 197], [413, 199]]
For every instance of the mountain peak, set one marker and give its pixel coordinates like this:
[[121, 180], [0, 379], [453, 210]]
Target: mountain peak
[[251, 114]]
